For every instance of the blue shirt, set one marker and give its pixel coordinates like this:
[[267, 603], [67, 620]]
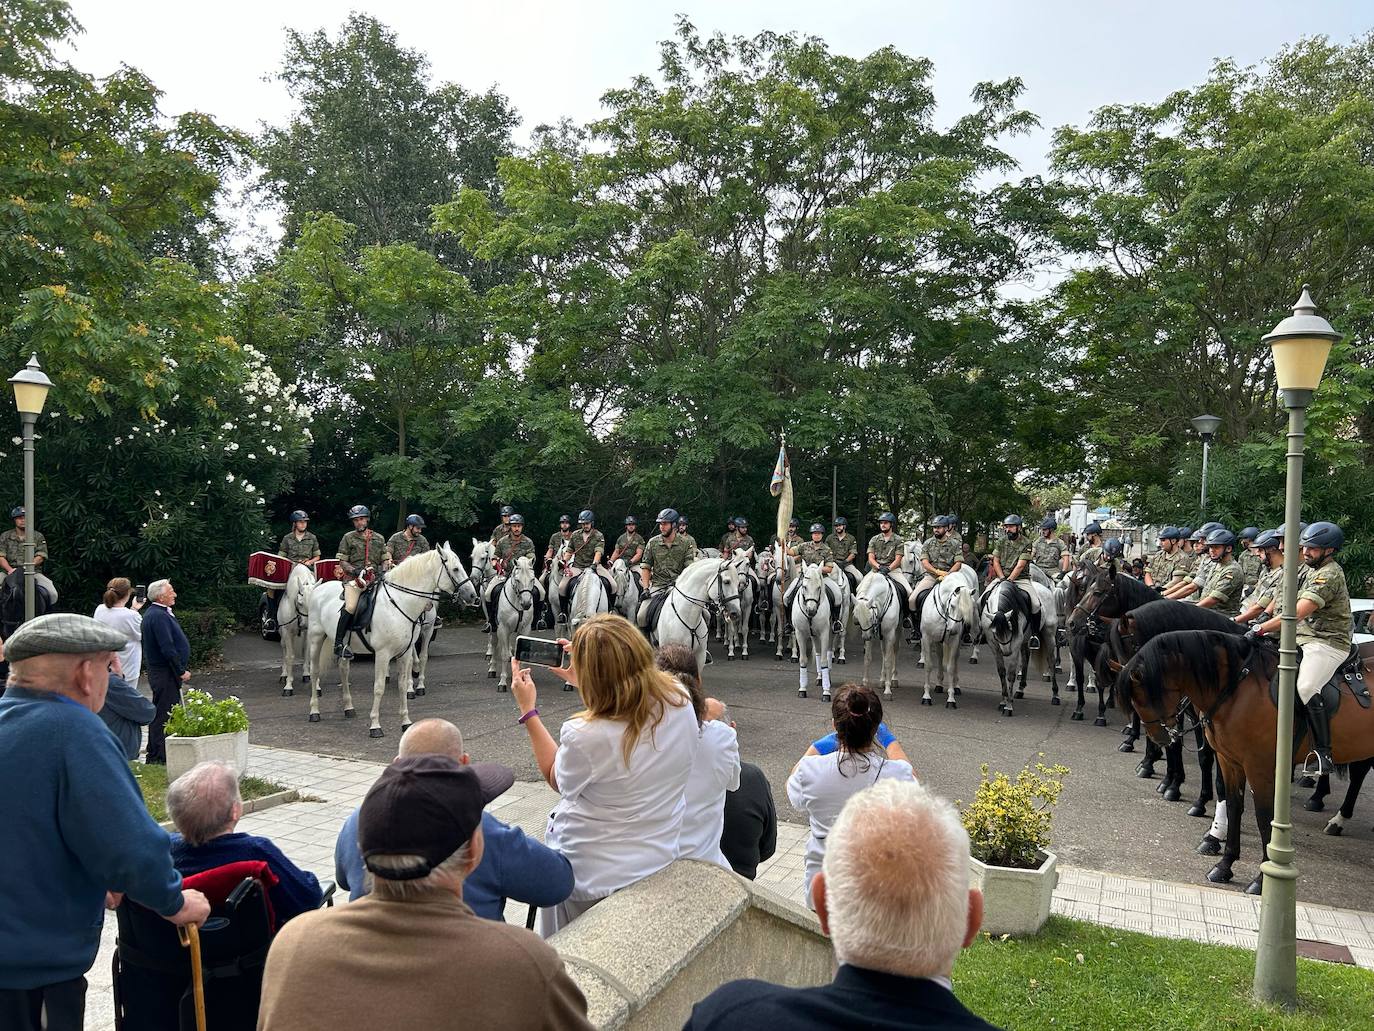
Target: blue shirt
[[513, 866], [296, 892], [75, 827], [164, 642], [126, 713]]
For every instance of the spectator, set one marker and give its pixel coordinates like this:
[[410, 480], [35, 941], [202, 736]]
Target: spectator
[[168, 653], [894, 898], [122, 611], [75, 830], [750, 834], [204, 804], [514, 865], [621, 765], [126, 713], [715, 769], [412, 954], [821, 784]]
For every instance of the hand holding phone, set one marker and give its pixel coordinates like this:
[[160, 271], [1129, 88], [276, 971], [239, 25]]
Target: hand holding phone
[[537, 651]]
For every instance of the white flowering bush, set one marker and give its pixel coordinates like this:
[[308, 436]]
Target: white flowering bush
[[199, 715]]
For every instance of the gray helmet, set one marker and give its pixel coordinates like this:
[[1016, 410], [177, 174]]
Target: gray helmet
[[940, 522], [888, 517], [506, 510], [1093, 528], [1282, 530], [841, 521], [1249, 533], [565, 518], [1113, 548], [630, 521], [1268, 539], [1209, 526], [794, 522], [1013, 520], [681, 520], [414, 520], [731, 522], [586, 516], [668, 515], [1322, 535], [517, 519], [17, 512], [741, 523], [1198, 535], [297, 516], [1221, 536], [359, 512], [1049, 523], [1184, 532], [817, 528]]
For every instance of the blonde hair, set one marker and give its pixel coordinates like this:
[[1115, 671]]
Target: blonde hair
[[617, 679], [116, 591]]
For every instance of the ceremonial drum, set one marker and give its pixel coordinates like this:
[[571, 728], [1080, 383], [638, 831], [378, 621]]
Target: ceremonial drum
[[268, 570], [328, 569]]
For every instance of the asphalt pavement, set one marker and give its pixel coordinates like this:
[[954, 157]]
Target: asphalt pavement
[[1107, 820]]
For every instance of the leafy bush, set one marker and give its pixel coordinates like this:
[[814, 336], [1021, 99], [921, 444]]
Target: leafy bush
[[1008, 823], [206, 629], [241, 601], [199, 715]]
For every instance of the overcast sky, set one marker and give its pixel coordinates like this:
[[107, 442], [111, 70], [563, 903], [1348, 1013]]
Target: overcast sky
[[555, 59]]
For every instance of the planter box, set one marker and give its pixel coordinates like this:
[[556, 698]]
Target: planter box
[[1015, 902], [185, 752]]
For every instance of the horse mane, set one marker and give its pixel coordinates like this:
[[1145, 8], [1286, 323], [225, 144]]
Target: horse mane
[[414, 570], [1164, 615], [1195, 651], [1133, 593], [1015, 600]]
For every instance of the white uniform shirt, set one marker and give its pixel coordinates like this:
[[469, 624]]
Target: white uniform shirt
[[714, 772], [129, 623], [618, 825], [820, 786]]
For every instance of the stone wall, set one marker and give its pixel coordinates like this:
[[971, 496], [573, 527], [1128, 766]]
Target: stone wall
[[647, 954]]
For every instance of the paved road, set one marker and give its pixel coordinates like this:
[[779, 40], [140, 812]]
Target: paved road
[[1107, 820]]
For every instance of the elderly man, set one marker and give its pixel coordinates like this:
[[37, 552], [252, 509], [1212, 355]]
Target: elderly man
[[126, 713], [412, 954], [513, 866], [166, 654], [893, 895], [205, 805], [75, 824]]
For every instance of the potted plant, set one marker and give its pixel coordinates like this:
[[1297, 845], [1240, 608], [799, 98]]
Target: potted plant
[[200, 728], [1008, 826]]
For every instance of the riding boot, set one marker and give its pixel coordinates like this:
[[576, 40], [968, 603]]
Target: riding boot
[[1319, 719], [1034, 632], [269, 615], [341, 649]]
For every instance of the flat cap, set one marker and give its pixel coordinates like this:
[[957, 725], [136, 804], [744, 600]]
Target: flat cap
[[64, 633]]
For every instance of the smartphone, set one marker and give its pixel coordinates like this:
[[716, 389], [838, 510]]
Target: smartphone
[[141, 592], [539, 652]]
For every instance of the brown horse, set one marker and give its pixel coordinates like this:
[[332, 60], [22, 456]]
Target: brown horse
[[1226, 679]]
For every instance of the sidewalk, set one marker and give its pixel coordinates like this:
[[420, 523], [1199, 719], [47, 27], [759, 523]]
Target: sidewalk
[[306, 831]]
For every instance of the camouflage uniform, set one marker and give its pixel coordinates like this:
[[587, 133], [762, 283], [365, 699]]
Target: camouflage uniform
[[361, 551], [810, 553], [1160, 566], [691, 541], [1047, 554], [301, 549], [942, 553], [1009, 552], [501, 532], [1251, 566], [885, 550], [403, 547], [1324, 636], [509, 550], [585, 547], [1185, 563], [1091, 554], [12, 546], [733, 542], [557, 542], [629, 543], [845, 548], [664, 560], [1225, 584], [1266, 589]]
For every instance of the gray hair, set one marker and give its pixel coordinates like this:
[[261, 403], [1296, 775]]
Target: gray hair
[[156, 588], [724, 716], [896, 881], [201, 801], [447, 877]]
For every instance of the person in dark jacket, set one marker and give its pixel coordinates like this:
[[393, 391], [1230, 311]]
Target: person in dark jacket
[[126, 713], [204, 804], [166, 654], [750, 835]]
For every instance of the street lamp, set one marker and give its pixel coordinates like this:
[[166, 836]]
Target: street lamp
[[1300, 344], [1206, 426], [30, 392]]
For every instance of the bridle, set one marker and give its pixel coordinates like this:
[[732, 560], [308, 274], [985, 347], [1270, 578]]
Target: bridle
[[875, 630]]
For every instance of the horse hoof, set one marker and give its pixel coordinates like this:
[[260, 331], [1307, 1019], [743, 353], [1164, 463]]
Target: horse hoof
[[973, 660], [1045, 677], [926, 701], [1198, 809], [958, 691], [410, 696], [1126, 746], [1145, 772], [491, 674], [951, 704], [729, 658], [920, 664], [314, 717], [1077, 717], [421, 691], [1101, 721], [1007, 711], [1001, 706], [1055, 701], [350, 713], [843, 661], [1172, 794], [405, 727], [375, 732], [801, 692], [501, 688], [1019, 695], [887, 692], [286, 692], [1314, 805], [305, 679], [777, 658], [1219, 875], [1334, 829], [825, 696], [744, 658], [1209, 846], [281, 679], [1307, 782], [1255, 887]]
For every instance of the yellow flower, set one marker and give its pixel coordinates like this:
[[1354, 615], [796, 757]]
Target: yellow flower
[[96, 385], [101, 238], [80, 201], [139, 330], [58, 290]]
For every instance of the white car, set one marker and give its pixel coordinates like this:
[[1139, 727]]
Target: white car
[[1363, 611]]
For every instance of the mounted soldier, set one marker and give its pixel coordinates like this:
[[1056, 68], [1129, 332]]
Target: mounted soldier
[[665, 557], [1196, 581], [409, 541], [629, 545], [361, 555], [740, 540], [728, 537], [1225, 581], [691, 541], [1250, 562], [1048, 553], [844, 548], [503, 527], [1270, 583], [298, 545], [559, 541], [587, 545], [885, 550], [1011, 559], [511, 548], [1159, 566], [811, 553], [940, 556], [1185, 560], [1092, 536]]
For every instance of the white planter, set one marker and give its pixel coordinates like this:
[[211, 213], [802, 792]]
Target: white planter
[[1015, 902], [185, 752]]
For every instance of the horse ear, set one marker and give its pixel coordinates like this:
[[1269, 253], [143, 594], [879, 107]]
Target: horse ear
[[475, 542]]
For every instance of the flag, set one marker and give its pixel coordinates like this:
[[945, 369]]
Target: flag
[[781, 472], [781, 488]]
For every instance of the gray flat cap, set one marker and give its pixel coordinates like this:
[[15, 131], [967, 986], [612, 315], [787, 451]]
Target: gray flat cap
[[66, 633]]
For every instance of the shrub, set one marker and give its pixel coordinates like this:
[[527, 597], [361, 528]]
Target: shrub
[[1008, 823], [206, 629], [199, 715]]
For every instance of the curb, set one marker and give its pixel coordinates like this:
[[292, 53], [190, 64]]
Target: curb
[[254, 805]]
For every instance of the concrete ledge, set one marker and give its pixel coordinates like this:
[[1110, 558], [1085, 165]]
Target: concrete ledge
[[254, 805], [647, 954]]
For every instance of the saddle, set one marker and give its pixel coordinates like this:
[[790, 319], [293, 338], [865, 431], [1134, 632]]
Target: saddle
[[651, 614], [1350, 674], [362, 616]]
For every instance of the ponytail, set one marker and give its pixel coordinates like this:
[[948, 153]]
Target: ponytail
[[117, 591], [857, 713]]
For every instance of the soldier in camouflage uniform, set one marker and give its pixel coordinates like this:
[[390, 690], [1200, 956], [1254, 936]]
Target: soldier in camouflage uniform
[[1159, 568], [588, 546], [666, 556], [1251, 565], [1324, 629], [1225, 581], [559, 541], [12, 545], [1092, 552], [1185, 561], [1270, 583], [740, 540], [408, 542], [509, 549], [885, 551], [629, 545], [727, 537], [793, 535], [1196, 581], [1010, 560], [361, 555], [810, 553], [842, 544], [1048, 553], [687, 537], [940, 556], [503, 527], [299, 545]]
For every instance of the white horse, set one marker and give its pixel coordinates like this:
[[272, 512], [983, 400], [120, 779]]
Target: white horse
[[293, 617], [483, 566], [590, 597], [682, 619], [878, 607], [812, 615], [949, 609], [779, 609], [737, 627], [846, 590], [406, 593], [517, 607], [626, 582], [770, 619]]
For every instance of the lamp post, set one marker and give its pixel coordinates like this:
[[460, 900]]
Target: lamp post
[[1206, 426], [30, 392], [1300, 344]]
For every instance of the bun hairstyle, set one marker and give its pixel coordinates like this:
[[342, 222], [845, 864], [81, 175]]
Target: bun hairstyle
[[856, 712], [117, 592]]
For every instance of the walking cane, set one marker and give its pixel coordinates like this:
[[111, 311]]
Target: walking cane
[[190, 937]]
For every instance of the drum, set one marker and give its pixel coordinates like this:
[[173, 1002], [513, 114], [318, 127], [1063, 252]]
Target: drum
[[328, 569], [268, 570]]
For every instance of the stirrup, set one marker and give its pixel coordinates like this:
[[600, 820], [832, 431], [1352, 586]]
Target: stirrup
[[541, 625], [1324, 765], [1034, 642]]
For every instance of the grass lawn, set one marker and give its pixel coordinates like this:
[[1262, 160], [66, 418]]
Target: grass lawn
[[1077, 975], [152, 781]]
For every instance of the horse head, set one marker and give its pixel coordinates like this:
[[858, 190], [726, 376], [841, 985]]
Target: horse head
[[768, 564], [522, 583], [812, 589], [483, 561], [455, 579], [727, 580]]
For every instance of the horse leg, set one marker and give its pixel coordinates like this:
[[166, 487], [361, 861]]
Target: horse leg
[[1130, 733], [346, 685], [320, 645], [938, 674], [493, 644], [288, 661], [951, 671], [379, 678], [1145, 769], [1052, 657], [1091, 674], [1316, 802], [422, 664], [1173, 772], [1206, 761], [1264, 818], [1336, 825], [1019, 674], [804, 667], [1235, 808]]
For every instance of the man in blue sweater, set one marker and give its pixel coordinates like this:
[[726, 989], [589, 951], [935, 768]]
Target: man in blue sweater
[[76, 830], [514, 865], [166, 654]]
